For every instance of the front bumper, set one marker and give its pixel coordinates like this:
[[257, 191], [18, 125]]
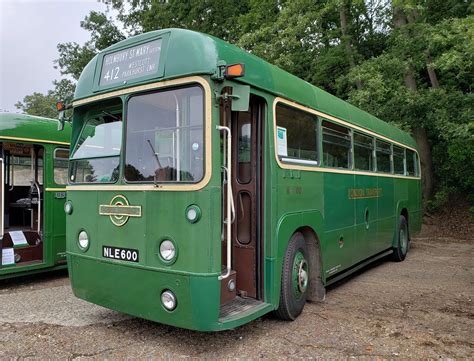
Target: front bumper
[[136, 291]]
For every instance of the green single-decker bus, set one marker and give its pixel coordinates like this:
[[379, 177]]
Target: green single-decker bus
[[33, 172], [207, 187]]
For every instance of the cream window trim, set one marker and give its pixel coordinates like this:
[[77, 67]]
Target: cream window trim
[[341, 122], [207, 137]]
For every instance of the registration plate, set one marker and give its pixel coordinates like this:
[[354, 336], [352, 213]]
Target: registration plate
[[122, 254]]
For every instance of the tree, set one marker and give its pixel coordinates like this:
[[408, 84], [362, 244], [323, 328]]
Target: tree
[[409, 62], [215, 17], [44, 104], [74, 57], [421, 82]]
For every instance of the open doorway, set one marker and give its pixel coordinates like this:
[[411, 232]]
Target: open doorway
[[22, 202], [246, 232]]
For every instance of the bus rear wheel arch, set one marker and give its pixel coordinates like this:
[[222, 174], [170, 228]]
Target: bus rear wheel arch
[[404, 213], [301, 274], [403, 240], [294, 287]]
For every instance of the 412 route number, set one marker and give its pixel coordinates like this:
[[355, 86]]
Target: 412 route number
[[112, 74]]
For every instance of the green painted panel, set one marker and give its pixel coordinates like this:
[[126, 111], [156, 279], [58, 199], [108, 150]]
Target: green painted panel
[[163, 217], [339, 238], [365, 198], [31, 127], [385, 214]]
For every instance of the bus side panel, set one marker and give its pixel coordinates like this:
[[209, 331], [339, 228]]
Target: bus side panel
[[415, 211], [365, 216], [386, 214], [54, 198], [58, 221], [339, 231]]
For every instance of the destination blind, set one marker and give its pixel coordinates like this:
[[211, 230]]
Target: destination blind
[[130, 63]]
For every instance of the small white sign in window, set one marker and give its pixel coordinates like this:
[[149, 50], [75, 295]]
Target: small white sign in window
[[8, 257], [282, 142], [18, 238]]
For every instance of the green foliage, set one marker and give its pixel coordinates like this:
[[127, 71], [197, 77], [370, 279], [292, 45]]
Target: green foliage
[[74, 57], [434, 46], [38, 104], [439, 200], [44, 105], [444, 111], [216, 17]]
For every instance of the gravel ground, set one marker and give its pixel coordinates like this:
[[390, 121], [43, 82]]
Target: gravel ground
[[421, 308]]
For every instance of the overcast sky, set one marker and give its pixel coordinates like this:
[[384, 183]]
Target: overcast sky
[[29, 33]]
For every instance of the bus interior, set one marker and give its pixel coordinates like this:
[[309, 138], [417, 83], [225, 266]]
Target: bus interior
[[22, 201]]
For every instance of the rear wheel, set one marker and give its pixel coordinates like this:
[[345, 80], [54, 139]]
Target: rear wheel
[[400, 251], [294, 279]]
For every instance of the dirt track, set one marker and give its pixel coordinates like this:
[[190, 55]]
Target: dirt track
[[420, 308]]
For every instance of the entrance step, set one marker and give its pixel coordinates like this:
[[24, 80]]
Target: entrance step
[[238, 306]]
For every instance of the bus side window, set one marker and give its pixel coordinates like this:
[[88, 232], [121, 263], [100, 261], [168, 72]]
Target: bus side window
[[383, 151], [410, 161], [417, 165], [60, 165], [363, 152], [299, 130], [398, 160], [336, 145]]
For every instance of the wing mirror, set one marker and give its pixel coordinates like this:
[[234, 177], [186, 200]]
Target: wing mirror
[[61, 107]]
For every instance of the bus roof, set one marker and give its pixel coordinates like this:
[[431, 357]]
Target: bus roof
[[185, 52], [22, 127]]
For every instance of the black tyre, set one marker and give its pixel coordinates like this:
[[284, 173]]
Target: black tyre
[[294, 279], [403, 241]]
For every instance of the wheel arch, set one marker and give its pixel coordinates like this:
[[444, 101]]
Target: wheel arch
[[316, 291], [404, 213], [306, 223], [401, 210]]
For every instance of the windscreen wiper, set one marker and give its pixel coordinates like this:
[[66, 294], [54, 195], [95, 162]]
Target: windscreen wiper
[[111, 115], [156, 157]]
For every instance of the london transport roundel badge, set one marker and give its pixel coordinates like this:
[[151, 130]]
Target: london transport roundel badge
[[119, 210]]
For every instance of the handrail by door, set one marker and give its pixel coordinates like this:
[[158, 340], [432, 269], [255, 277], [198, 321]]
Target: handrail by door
[[230, 201], [36, 185]]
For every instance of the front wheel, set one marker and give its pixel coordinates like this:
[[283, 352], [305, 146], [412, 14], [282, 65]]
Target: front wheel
[[400, 251], [294, 279]]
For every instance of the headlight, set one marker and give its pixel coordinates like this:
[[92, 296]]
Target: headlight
[[193, 213], [168, 299], [83, 240], [167, 250], [68, 207]]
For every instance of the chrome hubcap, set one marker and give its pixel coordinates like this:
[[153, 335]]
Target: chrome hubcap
[[403, 240], [300, 275], [303, 276]]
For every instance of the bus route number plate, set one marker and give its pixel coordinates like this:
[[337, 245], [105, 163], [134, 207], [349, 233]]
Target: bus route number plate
[[122, 254]]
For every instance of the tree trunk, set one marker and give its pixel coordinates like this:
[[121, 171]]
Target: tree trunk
[[426, 161], [431, 71], [419, 133], [409, 79], [347, 39], [399, 18]]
